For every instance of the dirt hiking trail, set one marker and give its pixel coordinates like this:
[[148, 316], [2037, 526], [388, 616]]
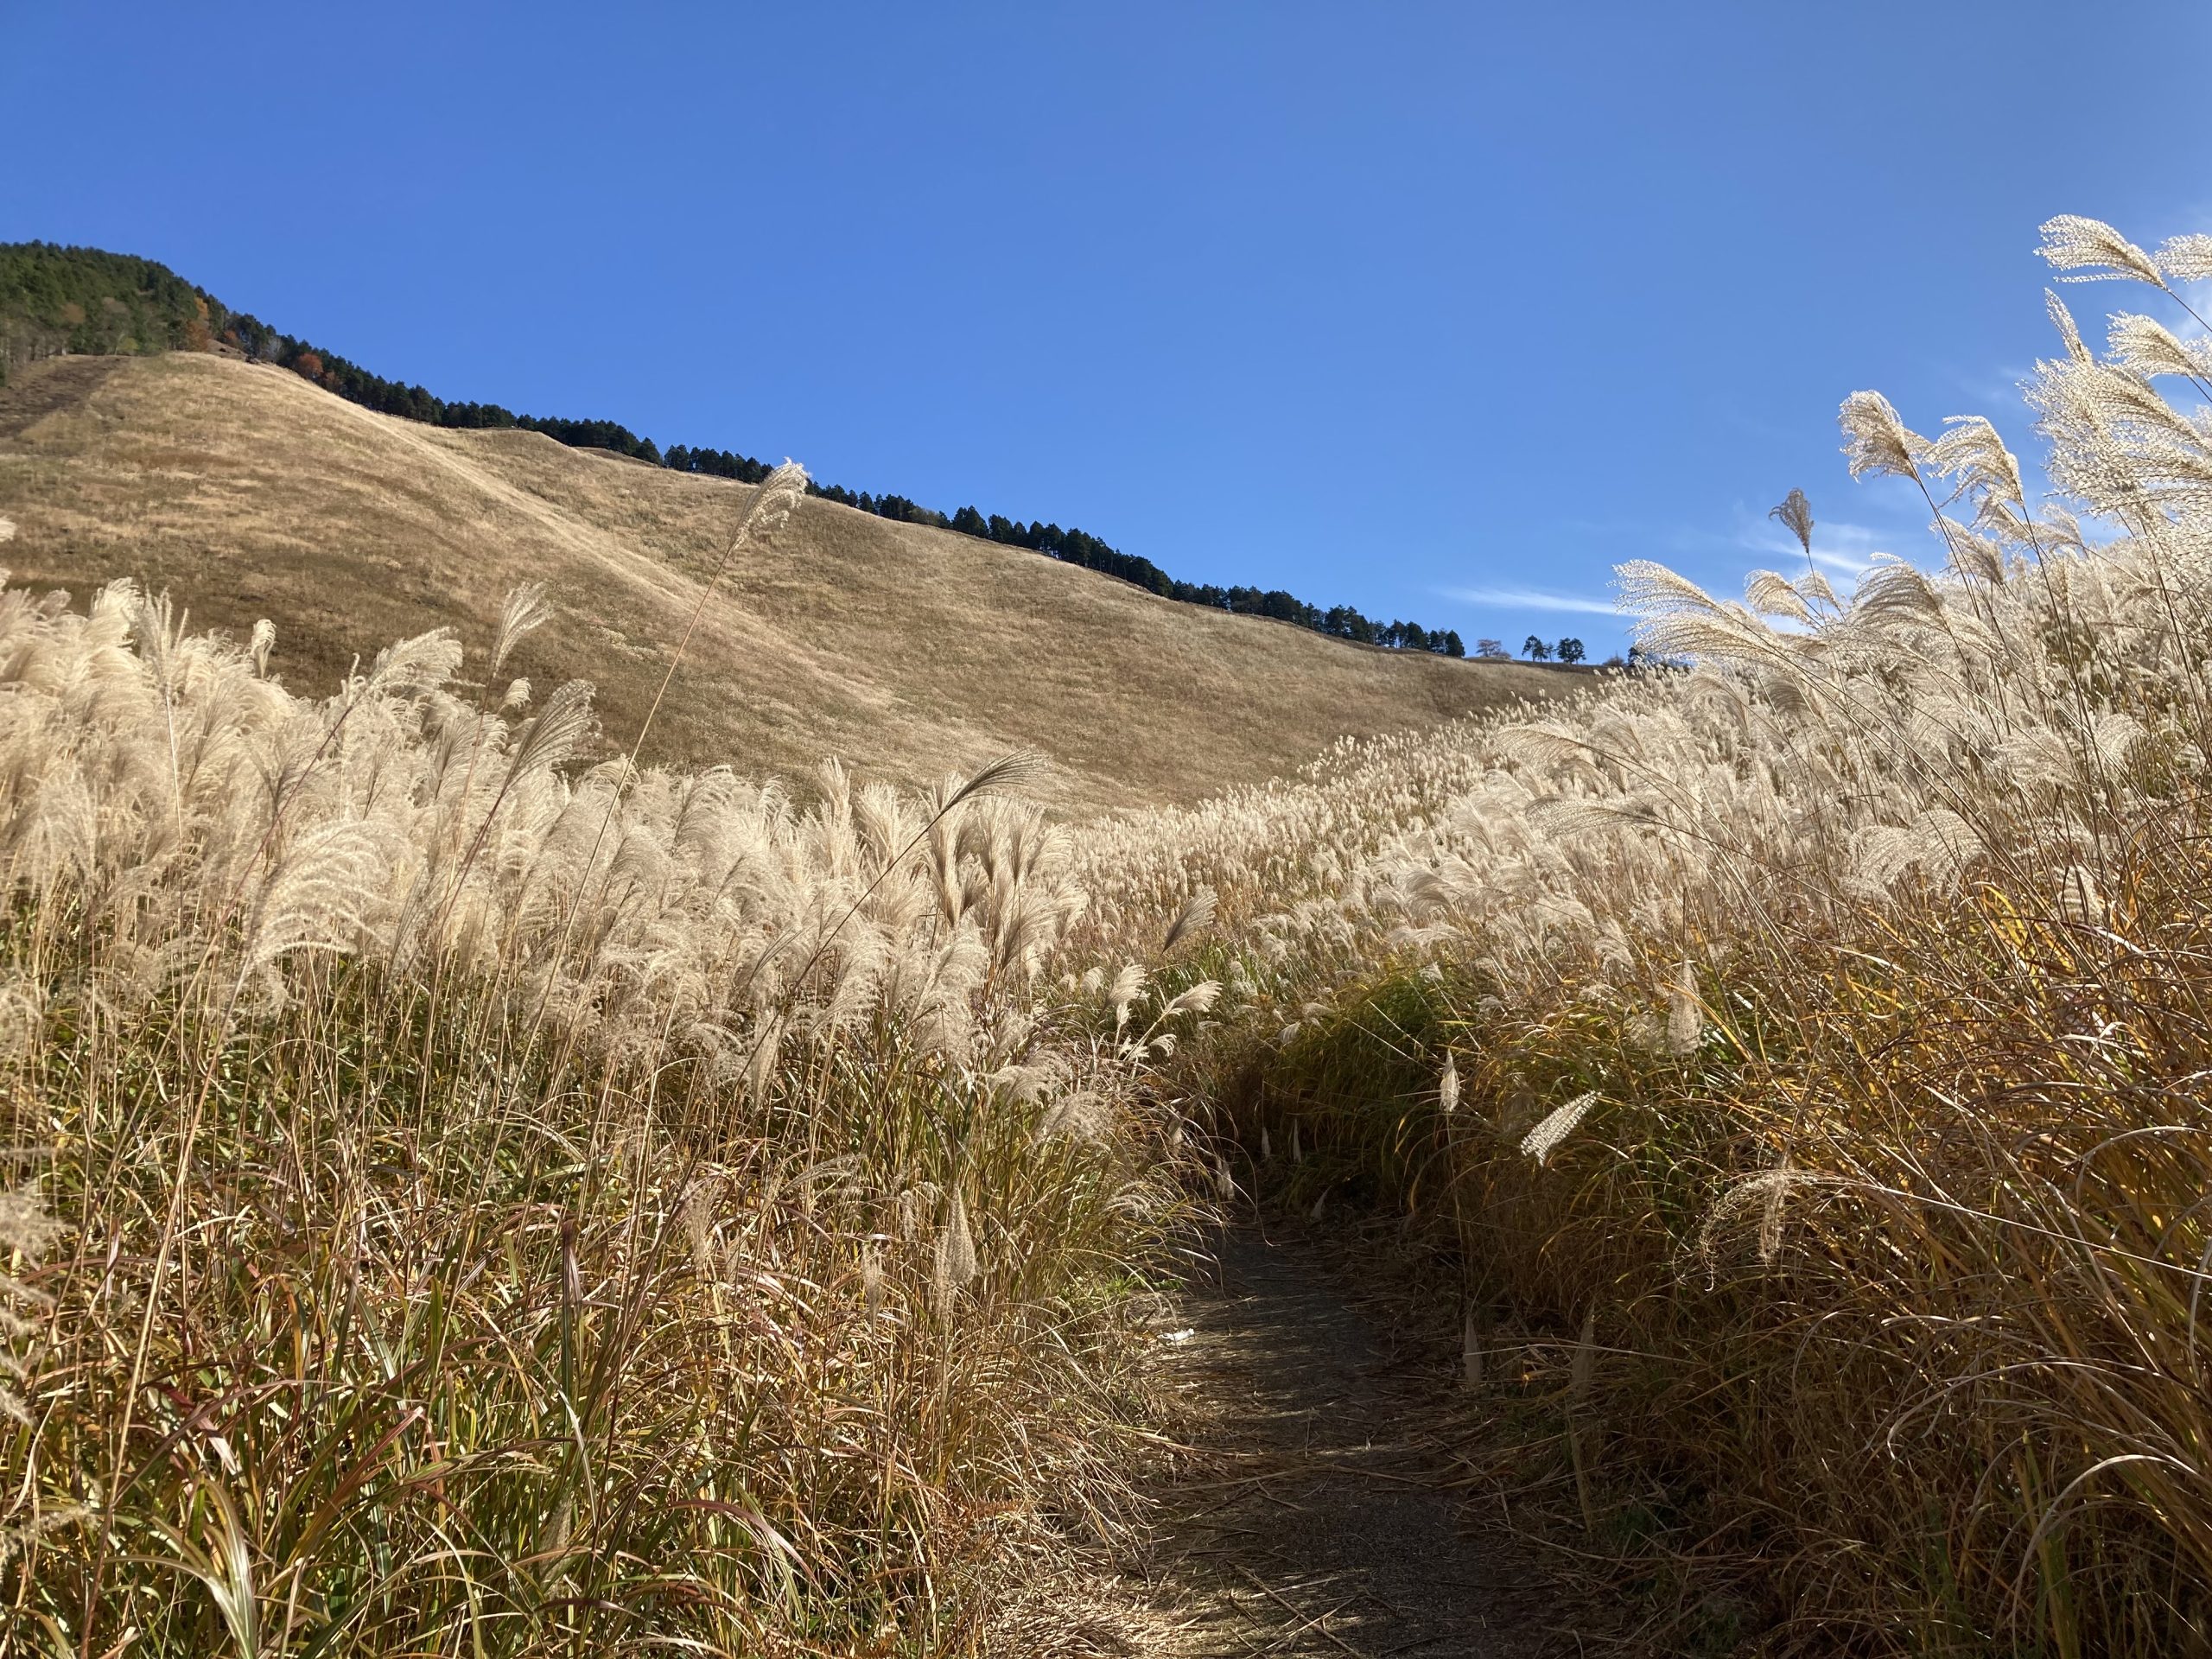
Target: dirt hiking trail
[[1315, 1513]]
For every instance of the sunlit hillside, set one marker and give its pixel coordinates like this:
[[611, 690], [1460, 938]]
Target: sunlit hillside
[[908, 651], [467, 1198], [1798, 1064]]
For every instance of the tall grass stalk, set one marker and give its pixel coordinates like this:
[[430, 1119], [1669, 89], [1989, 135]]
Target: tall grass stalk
[[1828, 1012], [465, 1198]]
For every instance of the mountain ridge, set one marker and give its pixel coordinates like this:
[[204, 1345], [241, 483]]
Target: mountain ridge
[[89, 301], [910, 651]]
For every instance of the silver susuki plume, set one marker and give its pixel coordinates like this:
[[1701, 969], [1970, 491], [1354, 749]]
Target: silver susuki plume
[[1542, 1140]]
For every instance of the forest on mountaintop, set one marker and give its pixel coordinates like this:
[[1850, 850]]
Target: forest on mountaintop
[[56, 300]]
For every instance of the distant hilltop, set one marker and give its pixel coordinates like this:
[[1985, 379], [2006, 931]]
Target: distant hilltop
[[57, 299], [911, 652]]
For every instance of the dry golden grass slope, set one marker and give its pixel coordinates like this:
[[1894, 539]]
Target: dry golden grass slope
[[907, 652]]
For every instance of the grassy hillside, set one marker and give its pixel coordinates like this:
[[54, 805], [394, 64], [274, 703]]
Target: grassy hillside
[[57, 299], [1799, 1066], [910, 651]]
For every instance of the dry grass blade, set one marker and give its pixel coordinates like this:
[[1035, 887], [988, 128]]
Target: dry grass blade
[[1009, 773], [1895, 1185]]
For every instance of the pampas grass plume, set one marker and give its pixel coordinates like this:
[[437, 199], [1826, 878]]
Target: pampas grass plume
[[1542, 1140], [956, 1250], [1685, 1020]]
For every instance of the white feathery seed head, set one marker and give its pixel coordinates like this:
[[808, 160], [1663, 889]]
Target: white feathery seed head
[[2186, 259], [1127, 985], [1795, 516], [1685, 1019], [1876, 444], [2069, 333], [1195, 916], [2150, 349], [956, 1265], [525, 611], [1769, 594], [1971, 452], [1543, 1139], [1198, 999], [2090, 251]]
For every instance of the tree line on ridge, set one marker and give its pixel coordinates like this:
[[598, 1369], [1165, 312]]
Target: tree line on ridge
[[56, 299]]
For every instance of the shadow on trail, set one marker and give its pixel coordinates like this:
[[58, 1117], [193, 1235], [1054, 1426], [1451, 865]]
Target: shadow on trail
[[1314, 1517]]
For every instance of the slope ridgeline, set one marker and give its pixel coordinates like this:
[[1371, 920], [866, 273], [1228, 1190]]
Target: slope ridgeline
[[83, 300], [910, 651]]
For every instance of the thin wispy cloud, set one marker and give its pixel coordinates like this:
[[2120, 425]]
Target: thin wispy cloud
[[2001, 392], [1845, 549], [1840, 548], [1841, 563], [1530, 599]]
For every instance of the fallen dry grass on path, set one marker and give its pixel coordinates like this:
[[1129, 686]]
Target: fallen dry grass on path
[[1313, 1506]]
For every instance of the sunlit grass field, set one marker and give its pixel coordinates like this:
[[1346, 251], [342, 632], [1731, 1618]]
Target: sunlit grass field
[[471, 1195]]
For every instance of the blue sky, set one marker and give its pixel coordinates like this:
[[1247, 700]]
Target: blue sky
[[1440, 310]]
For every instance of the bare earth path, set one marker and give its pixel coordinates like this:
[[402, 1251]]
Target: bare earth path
[[1314, 1515]]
